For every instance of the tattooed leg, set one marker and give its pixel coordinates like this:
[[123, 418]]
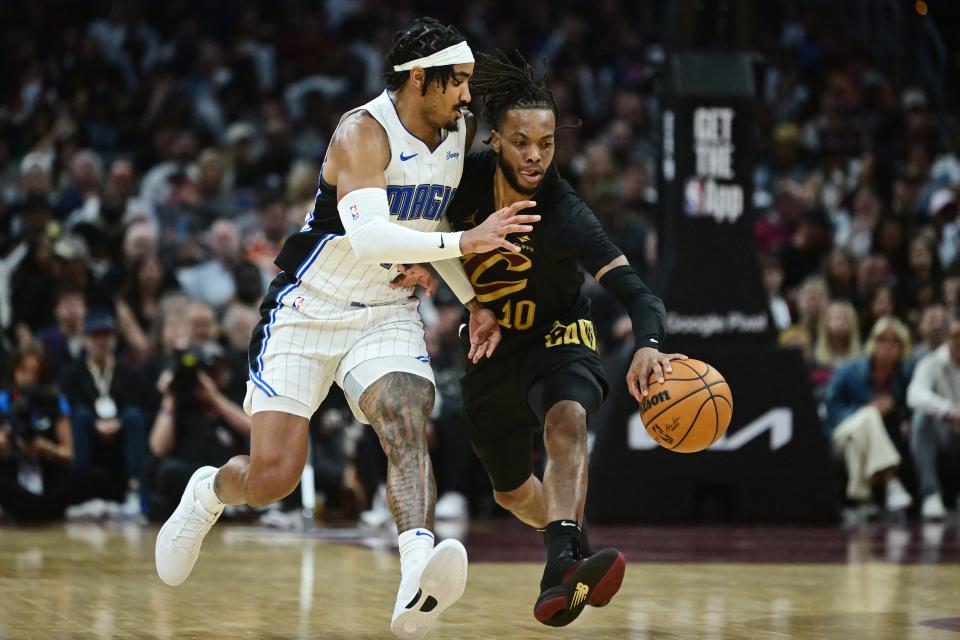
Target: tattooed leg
[[398, 406]]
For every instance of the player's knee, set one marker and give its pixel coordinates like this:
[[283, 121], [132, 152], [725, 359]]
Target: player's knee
[[565, 425], [270, 482], [510, 500]]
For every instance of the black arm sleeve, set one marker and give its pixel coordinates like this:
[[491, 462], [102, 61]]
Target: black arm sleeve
[[646, 310], [581, 235]]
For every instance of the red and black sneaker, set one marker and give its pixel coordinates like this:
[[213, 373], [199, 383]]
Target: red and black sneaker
[[593, 580]]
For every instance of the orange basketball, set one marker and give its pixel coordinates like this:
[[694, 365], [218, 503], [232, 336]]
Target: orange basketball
[[691, 409]]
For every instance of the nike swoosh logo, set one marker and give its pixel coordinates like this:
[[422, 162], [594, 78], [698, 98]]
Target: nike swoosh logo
[[423, 533], [441, 242], [568, 524], [404, 158]]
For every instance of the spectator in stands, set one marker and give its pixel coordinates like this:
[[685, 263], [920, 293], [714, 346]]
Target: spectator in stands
[[934, 396], [141, 293], [63, 342], [201, 324], [811, 305], [919, 285], [213, 280], [264, 239], [932, 329], [803, 255], [773, 283], [105, 394], [798, 338], [838, 336], [866, 402], [36, 448], [840, 274], [881, 302], [197, 425]]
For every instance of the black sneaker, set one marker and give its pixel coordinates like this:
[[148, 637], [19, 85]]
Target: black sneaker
[[570, 584]]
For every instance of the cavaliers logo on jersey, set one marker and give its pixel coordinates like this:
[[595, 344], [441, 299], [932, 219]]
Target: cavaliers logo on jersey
[[497, 273]]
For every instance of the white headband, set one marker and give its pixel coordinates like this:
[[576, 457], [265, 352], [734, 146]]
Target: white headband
[[459, 53]]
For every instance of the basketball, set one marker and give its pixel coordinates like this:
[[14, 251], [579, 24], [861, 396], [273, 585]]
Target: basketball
[[690, 410]]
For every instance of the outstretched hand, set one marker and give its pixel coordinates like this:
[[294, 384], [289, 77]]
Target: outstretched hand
[[491, 234], [484, 333], [648, 360]]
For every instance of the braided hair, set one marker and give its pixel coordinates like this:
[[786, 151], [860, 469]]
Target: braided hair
[[505, 82], [425, 37]]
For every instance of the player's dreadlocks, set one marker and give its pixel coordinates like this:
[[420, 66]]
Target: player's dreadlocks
[[505, 82], [426, 36]]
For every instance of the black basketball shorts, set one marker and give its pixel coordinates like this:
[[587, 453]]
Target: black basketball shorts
[[507, 399]]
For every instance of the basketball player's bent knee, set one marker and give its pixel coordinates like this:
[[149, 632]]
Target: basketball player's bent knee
[[565, 426], [271, 480], [278, 451], [517, 499]]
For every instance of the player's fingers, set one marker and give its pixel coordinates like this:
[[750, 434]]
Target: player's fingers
[[493, 341], [657, 371], [520, 206], [432, 287], [509, 246], [522, 219], [477, 352], [677, 356], [473, 350], [666, 364], [637, 385], [514, 228]]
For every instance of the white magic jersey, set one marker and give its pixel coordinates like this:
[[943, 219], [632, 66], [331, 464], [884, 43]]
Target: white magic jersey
[[420, 185]]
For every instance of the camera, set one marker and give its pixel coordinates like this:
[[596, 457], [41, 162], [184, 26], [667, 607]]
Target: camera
[[189, 363], [33, 412]]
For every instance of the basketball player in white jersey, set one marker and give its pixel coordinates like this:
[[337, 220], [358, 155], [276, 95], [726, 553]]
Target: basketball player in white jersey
[[391, 170]]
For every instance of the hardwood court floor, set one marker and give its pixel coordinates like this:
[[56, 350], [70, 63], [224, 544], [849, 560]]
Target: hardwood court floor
[[87, 581]]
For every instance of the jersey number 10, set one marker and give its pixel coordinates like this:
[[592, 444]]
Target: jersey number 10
[[519, 318]]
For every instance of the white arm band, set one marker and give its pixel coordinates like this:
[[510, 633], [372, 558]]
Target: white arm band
[[366, 219], [456, 278]]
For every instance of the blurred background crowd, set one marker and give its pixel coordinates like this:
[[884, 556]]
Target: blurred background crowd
[[154, 157]]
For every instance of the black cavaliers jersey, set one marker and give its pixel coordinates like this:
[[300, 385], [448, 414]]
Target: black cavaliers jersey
[[535, 292]]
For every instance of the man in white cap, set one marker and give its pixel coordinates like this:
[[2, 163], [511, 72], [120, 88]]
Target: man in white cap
[[391, 170]]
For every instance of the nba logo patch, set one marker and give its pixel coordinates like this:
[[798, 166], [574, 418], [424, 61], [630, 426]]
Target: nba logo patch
[[354, 212], [298, 303]]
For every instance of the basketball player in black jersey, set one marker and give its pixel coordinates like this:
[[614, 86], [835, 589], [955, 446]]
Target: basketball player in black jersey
[[546, 372]]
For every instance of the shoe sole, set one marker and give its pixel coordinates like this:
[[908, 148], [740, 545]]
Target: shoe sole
[[595, 582], [194, 479], [442, 583], [610, 584]]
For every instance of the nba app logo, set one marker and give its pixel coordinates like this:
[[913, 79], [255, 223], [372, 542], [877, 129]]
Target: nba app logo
[[298, 303], [354, 212]]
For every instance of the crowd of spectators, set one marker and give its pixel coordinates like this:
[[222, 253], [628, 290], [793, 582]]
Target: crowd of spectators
[[154, 157]]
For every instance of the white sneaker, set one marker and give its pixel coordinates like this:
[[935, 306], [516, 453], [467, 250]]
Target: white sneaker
[[897, 497], [179, 540], [932, 508], [428, 592]]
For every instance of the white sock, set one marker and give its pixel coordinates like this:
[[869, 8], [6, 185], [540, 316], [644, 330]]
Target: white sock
[[415, 548], [206, 494]]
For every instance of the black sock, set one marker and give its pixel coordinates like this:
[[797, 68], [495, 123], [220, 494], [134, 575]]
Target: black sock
[[561, 536], [585, 550]]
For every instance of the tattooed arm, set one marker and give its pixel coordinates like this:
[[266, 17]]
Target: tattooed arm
[[398, 406]]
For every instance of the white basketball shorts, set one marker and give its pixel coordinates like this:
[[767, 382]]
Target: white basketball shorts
[[304, 343]]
